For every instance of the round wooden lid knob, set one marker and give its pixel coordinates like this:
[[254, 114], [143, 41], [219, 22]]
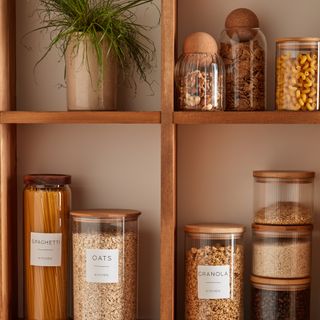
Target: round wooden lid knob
[[242, 18], [200, 42]]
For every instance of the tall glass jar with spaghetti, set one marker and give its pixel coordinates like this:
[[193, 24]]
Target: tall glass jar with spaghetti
[[297, 74], [46, 216]]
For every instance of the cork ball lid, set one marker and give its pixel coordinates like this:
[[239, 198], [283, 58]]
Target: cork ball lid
[[242, 18], [200, 42]]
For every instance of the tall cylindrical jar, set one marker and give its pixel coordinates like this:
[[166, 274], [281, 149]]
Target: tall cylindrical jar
[[105, 253], [297, 74], [46, 216], [199, 74], [283, 197], [243, 49], [214, 263]]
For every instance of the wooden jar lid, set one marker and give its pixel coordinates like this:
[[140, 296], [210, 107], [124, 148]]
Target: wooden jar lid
[[106, 214], [297, 39], [200, 42], [287, 174], [242, 18], [215, 228], [47, 179], [275, 228], [280, 282]]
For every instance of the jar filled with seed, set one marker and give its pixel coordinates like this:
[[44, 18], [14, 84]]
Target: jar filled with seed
[[214, 263], [199, 74], [297, 74], [243, 49], [279, 299], [281, 251], [105, 251], [283, 197]]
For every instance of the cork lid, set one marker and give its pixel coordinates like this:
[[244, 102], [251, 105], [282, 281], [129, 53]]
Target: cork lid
[[106, 214], [242, 18], [271, 231], [280, 282], [215, 228], [47, 179], [200, 42]]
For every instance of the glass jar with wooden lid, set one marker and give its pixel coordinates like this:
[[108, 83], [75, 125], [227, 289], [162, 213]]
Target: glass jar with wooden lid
[[283, 197], [105, 257], [46, 228], [214, 263], [279, 299], [297, 74], [281, 251]]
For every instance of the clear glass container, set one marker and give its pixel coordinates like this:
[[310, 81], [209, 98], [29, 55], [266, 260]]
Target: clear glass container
[[199, 75], [244, 51], [46, 228], [297, 74], [283, 197], [105, 254], [278, 299], [214, 264], [281, 251]]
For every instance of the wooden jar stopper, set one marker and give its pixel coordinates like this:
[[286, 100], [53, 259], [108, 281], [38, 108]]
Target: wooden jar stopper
[[200, 42]]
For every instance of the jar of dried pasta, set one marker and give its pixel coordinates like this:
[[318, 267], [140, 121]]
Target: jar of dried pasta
[[214, 262], [105, 253], [46, 227], [283, 197], [199, 74], [297, 74]]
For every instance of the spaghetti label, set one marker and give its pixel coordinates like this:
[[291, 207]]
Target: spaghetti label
[[45, 249], [102, 265]]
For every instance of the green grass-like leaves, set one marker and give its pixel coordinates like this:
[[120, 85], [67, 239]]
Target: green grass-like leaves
[[100, 20]]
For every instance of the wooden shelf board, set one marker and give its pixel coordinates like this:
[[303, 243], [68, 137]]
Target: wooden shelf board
[[258, 117], [78, 117]]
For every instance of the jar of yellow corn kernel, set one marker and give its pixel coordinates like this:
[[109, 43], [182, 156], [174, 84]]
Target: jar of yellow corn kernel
[[297, 74]]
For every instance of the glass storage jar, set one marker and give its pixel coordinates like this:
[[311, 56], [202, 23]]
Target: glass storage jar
[[297, 74], [214, 263], [105, 253], [278, 299], [243, 49], [46, 227], [283, 197], [199, 74], [281, 251]]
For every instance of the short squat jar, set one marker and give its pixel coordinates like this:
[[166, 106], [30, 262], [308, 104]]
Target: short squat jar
[[243, 49], [278, 299], [46, 228], [297, 74], [283, 197], [199, 74], [281, 251], [214, 263], [105, 251]]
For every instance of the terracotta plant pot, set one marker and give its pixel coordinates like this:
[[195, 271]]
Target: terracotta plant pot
[[88, 86]]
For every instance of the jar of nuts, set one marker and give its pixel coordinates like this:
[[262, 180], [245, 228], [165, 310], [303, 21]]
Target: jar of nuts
[[297, 74], [105, 250], [199, 74], [243, 50], [214, 263], [278, 299], [283, 197]]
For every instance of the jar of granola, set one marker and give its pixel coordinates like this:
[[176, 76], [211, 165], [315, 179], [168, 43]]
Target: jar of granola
[[199, 74]]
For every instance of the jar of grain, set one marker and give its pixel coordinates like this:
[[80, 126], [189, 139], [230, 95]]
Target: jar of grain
[[278, 299], [243, 48], [46, 227], [199, 74], [281, 251], [297, 74], [283, 197], [105, 252], [214, 262]]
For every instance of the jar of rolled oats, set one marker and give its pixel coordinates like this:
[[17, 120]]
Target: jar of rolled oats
[[199, 74], [105, 246], [214, 263]]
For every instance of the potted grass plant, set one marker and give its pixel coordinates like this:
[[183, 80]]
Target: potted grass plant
[[97, 38]]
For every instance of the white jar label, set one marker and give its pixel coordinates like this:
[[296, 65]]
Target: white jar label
[[102, 265], [214, 282], [45, 249]]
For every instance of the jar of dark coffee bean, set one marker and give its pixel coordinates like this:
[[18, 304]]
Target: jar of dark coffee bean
[[277, 299]]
